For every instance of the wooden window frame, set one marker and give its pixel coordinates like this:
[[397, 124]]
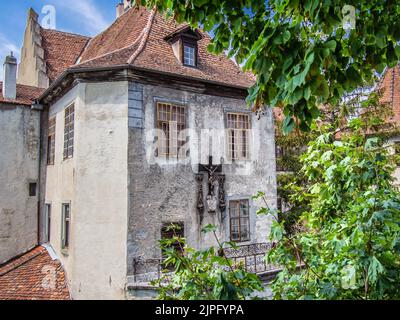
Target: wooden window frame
[[171, 147], [237, 205], [192, 44], [69, 131], [241, 131], [65, 226], [51, 141]]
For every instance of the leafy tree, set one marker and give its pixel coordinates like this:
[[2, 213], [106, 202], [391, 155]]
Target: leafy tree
[[365, 104], [350, 248], [203, 274], [304, 53]]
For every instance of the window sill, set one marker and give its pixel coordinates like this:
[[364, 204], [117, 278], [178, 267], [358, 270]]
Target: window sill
[[65, 252]]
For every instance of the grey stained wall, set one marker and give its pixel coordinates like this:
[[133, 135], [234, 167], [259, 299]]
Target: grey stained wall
[[162, 192], [19, 166]]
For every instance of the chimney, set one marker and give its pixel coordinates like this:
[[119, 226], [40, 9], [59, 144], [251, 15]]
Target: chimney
[[127, 4], [120, 9], [10, 78]]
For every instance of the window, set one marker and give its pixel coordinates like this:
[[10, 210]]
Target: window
[[47, 219], [66, 225], [51, 141], [238, 136], [171, 230], [239, 220], [171, 119], [69, 132], [32, 189], [189, 55]]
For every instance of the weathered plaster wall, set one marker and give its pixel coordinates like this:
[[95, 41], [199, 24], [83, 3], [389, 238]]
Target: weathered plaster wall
[[19, 165], [95, 181], [163, 192]]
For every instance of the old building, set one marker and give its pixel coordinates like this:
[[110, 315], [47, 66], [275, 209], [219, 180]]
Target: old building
[[140, 127], [19, 165]]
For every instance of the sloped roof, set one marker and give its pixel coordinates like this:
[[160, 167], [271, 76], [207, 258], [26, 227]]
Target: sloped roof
[[33, 276], [25, 95], [390, 83], [138, 38], [61, 50]]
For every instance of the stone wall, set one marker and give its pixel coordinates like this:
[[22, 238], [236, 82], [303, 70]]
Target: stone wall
[[19, 166], [162, 192]]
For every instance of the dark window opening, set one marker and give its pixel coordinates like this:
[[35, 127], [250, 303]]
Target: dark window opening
[[47, 221], [167, 232], [32, 189]]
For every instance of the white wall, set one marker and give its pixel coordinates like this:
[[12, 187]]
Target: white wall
[[95, 181]]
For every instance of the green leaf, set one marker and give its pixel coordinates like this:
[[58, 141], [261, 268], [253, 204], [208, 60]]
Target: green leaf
[[288, 125]]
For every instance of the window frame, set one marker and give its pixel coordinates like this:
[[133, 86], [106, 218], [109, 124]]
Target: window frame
[[191, 44], [69, 128], [180, 233], [239, 217], [244, 142], [164, 151], [65, 227], [51, 141], [32, 192], [47, 222]]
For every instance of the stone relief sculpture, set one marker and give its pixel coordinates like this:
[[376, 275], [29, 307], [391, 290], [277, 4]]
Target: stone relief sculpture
[[216, 189]]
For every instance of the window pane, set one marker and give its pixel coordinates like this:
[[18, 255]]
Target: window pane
[[239, 220], [238, 136], [189, 55], [69, 131], [171, 119]]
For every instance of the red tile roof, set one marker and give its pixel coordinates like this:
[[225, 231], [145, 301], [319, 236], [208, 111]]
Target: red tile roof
[[390, 83], [138, 38], [33, 276], [25, 95], [61, 50]]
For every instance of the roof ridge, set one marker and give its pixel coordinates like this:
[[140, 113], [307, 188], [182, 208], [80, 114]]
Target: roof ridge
[[145, 36], [66, 32]]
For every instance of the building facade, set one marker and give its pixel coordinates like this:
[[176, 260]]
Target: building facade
[[19, 164], [140, 127]]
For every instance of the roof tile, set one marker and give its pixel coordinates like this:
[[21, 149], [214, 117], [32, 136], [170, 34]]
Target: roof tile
[[33, 276], [61, 50], [25, 95]]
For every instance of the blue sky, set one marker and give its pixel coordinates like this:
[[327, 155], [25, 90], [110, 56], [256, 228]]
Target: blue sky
[[87, 17]]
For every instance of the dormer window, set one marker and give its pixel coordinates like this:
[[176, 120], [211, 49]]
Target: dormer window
[[184, 45], [189, 55]]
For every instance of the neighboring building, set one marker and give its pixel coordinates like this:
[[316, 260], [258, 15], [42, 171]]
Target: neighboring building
[[109, 184], [35, 275], [19, 165], [390, 83]]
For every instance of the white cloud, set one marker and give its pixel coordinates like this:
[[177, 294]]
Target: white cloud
[[86, 12], [6, 46]]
